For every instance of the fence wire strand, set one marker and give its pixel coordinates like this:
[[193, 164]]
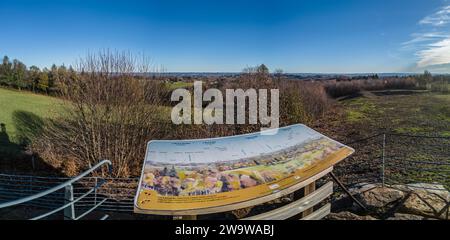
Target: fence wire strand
[[408, 159]]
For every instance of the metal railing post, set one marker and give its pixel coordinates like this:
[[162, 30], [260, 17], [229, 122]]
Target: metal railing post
[[95, 192], [69, 211], [33, 164], [30, 185], [384, 160]]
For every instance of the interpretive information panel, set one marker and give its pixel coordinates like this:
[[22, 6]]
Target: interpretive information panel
[[185, 175]]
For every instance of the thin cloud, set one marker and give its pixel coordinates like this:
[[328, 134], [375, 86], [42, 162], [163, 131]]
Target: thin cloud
[[436, 54], [440, 18], [432, 45], [421, 39]]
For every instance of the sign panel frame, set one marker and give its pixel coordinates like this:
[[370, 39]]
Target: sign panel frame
[[262, 192]]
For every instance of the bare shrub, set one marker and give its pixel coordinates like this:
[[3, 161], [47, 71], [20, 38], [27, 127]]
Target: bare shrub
[[400, 83], [111, 113], [302, 101], [440, 84], [339, 88]]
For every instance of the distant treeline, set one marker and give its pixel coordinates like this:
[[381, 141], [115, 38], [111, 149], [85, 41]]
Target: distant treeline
[[340, 88], [343, 86], [437, 83], [15, 74]]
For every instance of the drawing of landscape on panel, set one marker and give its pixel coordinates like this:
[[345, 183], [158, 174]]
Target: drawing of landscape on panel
[[226, 176]]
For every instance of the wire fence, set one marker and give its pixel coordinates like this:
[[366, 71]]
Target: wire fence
[[46, 191], [391, 158], [119, 192], [364, 166], [417, 159], [381, 158]]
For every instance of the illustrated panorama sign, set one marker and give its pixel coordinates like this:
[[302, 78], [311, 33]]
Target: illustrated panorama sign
[[190, 175]]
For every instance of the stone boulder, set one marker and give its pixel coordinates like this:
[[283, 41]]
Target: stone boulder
[[241, 213], [434, 204], [348, 216], [419, 201], [408, 217], [432, 188], [362, 187], [381, 199]]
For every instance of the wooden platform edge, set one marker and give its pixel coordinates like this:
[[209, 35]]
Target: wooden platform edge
[[298, 206], [319, 214]]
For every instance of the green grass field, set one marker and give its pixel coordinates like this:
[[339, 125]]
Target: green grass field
[[414, 113], [16, 104], [403, 112], [176, 85]]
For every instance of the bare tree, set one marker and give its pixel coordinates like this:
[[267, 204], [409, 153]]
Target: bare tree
[[112, 108]]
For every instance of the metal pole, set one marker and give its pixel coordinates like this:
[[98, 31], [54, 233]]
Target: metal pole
[[384, 160], [30, 182], [33, 162], [95, 192], [69, 212]]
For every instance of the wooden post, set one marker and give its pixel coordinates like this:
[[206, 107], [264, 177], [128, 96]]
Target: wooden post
[[308, 190]]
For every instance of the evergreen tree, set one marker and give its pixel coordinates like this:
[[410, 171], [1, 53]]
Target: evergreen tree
[[52, 77], [43, 80], [262, 69], [33, 78], [19, 74], [6, 72]]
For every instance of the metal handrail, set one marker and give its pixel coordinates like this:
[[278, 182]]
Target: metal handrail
[[90, 210], [63, 206], [27, 177], [59, 187]]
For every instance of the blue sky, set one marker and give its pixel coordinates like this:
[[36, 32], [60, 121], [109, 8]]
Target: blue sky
[[329, 36]]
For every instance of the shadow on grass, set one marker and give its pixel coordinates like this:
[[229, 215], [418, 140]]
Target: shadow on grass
[[351, 96], [28, 126], [15, 156], [8, 149], [394, 92]]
